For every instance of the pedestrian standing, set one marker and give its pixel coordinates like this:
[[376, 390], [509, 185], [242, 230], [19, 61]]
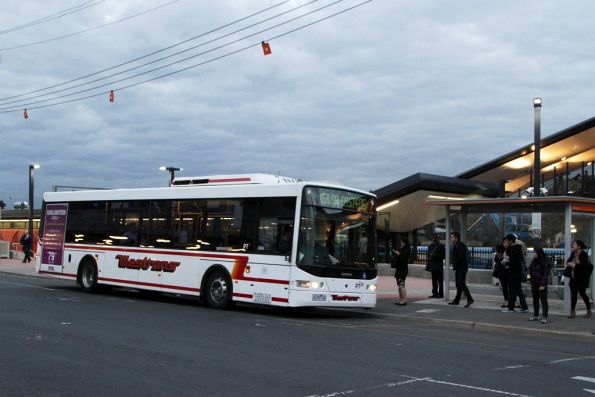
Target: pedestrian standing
[[401, 257], [580, 273], [27, 242], [539, 270], [436, 254], [460, 266], [501, 273], [513, 261]]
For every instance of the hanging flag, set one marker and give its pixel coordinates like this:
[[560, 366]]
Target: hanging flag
[[266, 48], [25, 115], [111, 96]]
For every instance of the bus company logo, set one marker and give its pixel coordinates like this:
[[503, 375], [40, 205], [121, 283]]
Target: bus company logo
[[345, 298], [124, 261]]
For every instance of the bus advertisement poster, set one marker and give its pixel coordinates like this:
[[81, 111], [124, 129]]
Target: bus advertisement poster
[[54, 230]]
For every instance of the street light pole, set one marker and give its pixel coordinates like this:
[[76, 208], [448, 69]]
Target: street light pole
[[172, 172], [537, 143], [31, 168]]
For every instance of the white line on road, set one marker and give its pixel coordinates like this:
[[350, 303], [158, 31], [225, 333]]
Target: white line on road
[[27, 285], [590, 391], [510, 367], [592, 380], [476, 388], [571, 359], [413, 380]]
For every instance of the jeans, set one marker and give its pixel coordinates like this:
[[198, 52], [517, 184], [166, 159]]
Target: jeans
[[460, 276], [575, 290], [537, 297], [438, 282], [514, 289]]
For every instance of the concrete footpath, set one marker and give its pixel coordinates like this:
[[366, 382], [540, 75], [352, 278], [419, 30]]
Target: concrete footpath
[[484, 314]]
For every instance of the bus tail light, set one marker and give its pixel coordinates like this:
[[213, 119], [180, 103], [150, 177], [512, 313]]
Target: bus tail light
[[371, 287]]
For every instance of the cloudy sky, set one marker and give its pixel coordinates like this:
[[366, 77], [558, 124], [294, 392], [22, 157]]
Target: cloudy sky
[[365, 98]]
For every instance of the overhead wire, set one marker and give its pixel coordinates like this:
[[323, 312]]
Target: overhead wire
[[54, 16], [89, 29], [3, 103], [121, 88], [147, 55]]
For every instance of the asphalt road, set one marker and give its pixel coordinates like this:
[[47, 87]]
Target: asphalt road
[[58, 341]]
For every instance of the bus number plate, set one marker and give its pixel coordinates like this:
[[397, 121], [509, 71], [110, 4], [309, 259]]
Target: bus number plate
[[319, 298], [262, 298]]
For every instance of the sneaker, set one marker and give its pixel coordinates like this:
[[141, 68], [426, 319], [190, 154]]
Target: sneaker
[[508, 311], [504, 305], [533, 318], [544, 320], [524, 310], [469, 303]]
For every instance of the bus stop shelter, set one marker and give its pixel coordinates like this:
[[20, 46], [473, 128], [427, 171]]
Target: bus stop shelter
[[540, 222]]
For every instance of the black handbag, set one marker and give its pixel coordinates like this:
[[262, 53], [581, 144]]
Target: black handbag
[[567, 271], [393, 261]]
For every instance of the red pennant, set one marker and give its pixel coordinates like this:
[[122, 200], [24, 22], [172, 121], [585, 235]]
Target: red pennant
[[266, 48], [111, 96], [25, 115]]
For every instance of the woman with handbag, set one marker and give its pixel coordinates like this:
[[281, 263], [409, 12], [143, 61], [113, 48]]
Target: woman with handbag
[[401, 261], [580, 270], [539, 272]]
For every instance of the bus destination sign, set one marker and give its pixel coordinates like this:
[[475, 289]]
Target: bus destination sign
[[54, 229], [339, 199]]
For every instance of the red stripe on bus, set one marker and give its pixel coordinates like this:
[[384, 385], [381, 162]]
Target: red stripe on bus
[[283, 300], [176, 287], [230, 180], [239, 295], [237, 272]]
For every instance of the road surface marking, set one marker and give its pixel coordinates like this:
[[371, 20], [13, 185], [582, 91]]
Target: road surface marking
[[27, 285], [511, 367], [590, 391], [476, 388], [571, 359], [592, 380], [427, 311]]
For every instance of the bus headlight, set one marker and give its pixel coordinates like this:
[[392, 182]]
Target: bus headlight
[[371, 287], [309, 284]]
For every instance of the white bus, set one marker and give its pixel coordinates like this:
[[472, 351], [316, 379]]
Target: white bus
[[222, 238]]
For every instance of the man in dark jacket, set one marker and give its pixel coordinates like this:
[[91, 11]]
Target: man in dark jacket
[[436, 254], [459, 265], [513, 261]]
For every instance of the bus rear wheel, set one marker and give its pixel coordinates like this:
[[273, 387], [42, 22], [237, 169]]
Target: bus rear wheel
[[88, 276], [219, 290]]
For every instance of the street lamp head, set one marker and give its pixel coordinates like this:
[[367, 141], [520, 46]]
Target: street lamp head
[[163, 168], [537, 102], [170, 169], [34, 166]]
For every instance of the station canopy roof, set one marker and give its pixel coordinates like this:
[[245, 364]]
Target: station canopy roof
[[404, 200]]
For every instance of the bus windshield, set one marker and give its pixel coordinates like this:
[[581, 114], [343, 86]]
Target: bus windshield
[[336, 232]]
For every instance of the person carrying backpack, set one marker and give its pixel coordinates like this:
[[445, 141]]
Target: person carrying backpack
[[460, 266]]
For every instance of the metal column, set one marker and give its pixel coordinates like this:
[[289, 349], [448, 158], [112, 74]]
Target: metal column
[[447, 256], [567, 251]]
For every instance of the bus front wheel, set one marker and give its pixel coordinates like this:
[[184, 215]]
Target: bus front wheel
[[88, 276], [219, 290]]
